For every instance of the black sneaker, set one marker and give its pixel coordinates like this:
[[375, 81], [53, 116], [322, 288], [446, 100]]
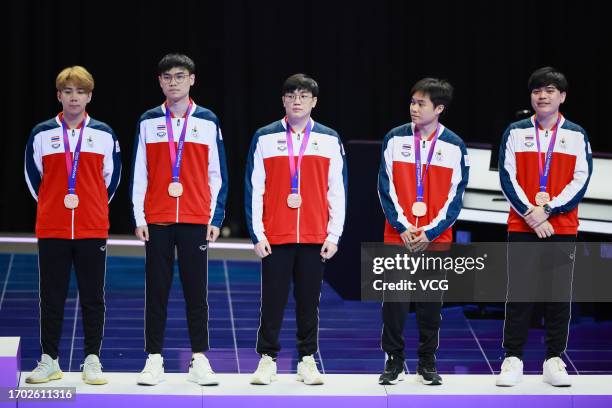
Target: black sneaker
[[428, 375], [394, 372]]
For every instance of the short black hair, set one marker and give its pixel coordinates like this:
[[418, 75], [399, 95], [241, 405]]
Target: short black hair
[[175, 60], [440, 91], [301, 81], [547, 76]]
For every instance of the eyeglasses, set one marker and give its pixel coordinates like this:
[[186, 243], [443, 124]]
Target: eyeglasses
[[179, 78], [301, 97]]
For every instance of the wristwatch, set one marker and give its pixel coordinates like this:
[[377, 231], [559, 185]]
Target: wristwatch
[[547, 209]]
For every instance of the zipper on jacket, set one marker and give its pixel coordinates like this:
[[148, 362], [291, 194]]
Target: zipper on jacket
[[298, 215], [72, 225], [299, 192], [177, 209]]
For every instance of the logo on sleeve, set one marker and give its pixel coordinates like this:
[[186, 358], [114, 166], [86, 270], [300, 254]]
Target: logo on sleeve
[[117, 146]]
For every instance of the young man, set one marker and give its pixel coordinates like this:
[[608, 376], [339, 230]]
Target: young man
[[422, 178], [178, 191], [72, 167], [544, 167], [295, 199]]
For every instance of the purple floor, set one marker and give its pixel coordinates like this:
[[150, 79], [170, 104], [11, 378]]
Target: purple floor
[[349, 331]]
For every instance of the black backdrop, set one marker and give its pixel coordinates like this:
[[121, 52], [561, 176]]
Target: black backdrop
[[365, 55]]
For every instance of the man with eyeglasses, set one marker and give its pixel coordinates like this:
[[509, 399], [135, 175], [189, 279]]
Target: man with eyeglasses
[[178, 190], [295, 200]]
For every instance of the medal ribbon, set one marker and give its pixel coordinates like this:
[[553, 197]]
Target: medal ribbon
[[420, 176], [176, 152], [72, 165], [295, 172], [551, 146]]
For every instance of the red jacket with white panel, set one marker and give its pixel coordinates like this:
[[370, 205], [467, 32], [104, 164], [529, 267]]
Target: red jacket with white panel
[[97, 179], [322, 184], [568, 179], [443, 186], [203, 171]]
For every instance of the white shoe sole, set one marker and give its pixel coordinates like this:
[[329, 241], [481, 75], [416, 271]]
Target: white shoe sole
[[504, 383], [203, 382], [400, 377], [99, 381], [260, 381], [421, 379], [315, 382], [557, 384], [152, 382], [55, 376]]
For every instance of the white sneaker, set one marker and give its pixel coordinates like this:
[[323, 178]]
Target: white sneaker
[[200, 371], [511, 372], [47, 369], [153, 371], [92, 371], [266, 371], [308, 372], [555, 373]]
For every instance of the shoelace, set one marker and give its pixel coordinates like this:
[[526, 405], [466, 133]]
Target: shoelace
[[148, 368], [559, 364], [311, 365], [93, 366], [41, 366], [264, 363], [205, 363], [508, 365]]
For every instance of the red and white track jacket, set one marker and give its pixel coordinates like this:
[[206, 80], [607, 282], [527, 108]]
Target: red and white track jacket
[[98, 176], [322, 185], [443, 186], [203, 170], [568, 179]]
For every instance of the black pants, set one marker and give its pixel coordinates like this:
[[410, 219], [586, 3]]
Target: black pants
[[192, 250], [55, 260], [300, 263], [538, 272], [428, 322]]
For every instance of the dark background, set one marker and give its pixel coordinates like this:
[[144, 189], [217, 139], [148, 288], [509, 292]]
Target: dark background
[[365, 55]]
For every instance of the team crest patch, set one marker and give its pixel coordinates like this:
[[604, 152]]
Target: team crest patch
[[439, 155], [406, 150], [194, 132], [90, 142], [315, 145], [562, 143], [55, 142], [529, 141], [281, 145], [161, 131]]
